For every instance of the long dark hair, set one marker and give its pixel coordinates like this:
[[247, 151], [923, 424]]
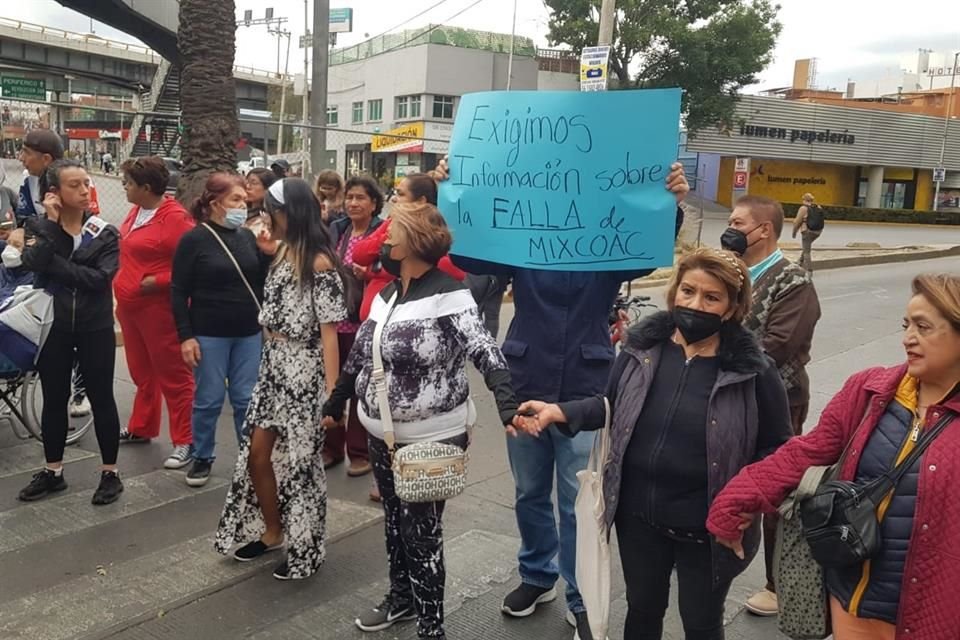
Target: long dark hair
[[306, 235], [423, 186]]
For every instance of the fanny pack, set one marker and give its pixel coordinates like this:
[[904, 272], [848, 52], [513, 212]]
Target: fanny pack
[[423, 471], [840, 521]]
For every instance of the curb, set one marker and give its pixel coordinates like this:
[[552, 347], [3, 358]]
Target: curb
[[839, 263]]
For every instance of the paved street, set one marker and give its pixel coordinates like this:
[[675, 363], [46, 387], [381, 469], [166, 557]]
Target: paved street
[[144, 567]]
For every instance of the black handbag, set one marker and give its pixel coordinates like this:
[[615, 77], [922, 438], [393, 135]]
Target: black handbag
[[840, 520]]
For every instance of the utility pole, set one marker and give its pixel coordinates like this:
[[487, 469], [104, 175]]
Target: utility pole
[[283, 96], [318, 98], [513, 37], [305, 132], [946, 128], [608, 13]]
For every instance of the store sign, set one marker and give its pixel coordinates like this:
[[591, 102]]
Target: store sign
[[593, 68], [943, 71], [392, 142], [436, 137], [341, 20], [29, 88], [797, 135]]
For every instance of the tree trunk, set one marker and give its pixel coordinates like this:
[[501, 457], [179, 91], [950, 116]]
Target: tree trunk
[[208, 93]]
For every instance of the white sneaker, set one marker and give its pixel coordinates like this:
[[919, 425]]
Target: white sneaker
[[763, 604], [179, 458], [80, 409]]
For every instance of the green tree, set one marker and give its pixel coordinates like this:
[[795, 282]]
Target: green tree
[[208, 93], [709, 48]]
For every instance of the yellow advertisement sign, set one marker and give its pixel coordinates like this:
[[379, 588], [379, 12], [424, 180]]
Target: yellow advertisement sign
[[411, 142]]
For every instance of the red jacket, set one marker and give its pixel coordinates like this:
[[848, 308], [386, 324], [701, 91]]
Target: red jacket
[[367, 252], [929, 600], [148, 250]]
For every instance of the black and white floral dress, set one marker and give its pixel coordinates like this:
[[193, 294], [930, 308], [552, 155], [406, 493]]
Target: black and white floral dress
[[287, 400]]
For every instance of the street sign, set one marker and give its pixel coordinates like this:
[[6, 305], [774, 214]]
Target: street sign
[[939, 174], [306, 41], [740, 180], [341, 20], [593, 68], [742, 164], [30, 88]]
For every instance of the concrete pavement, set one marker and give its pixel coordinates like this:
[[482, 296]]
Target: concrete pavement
[[144, 567]]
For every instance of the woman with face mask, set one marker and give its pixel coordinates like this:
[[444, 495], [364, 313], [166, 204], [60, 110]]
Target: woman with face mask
[[74, 255], [429, 327], [693, 400], [279, 492], [216, 287]]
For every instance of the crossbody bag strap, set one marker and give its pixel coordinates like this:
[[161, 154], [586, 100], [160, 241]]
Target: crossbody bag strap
[[235, 264], [379, 377]]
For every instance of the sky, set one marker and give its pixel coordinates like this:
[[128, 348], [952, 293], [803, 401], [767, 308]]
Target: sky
[[851, 39]]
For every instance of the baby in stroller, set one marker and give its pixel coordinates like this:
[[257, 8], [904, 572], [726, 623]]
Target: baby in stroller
[[12, 275]]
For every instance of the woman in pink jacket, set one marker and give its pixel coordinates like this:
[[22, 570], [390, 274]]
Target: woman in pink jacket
[[906, 590]]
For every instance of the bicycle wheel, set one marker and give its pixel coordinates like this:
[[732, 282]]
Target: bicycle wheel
[[31, 397]]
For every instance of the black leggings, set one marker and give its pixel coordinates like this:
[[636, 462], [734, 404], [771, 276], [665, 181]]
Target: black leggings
[[95, 353], [649, 557]]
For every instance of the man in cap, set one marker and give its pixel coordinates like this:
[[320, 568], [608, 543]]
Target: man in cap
[[281, 168]]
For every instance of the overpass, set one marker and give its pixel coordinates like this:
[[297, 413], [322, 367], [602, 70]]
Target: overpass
[[100, 66]]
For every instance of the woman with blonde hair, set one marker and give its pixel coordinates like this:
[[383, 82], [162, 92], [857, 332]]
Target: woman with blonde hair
[[907, 589], [430, 326], [330, 192], [693, 400]]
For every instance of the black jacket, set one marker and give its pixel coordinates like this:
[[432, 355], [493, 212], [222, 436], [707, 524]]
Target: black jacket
[[341, 227], [80, 281]]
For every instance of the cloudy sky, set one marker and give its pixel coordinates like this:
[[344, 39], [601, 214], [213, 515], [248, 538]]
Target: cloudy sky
[[852, 39]]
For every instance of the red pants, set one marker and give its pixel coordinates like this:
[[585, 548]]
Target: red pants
[[157, 368], [353, 436]]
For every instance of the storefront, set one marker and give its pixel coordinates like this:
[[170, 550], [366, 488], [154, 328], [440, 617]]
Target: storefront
[[842, 155], [411, 148]]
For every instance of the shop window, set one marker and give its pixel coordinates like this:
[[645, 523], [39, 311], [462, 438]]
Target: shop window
[[893, 195], [333, 116], [374, 110], [357, 113], [443, 107]]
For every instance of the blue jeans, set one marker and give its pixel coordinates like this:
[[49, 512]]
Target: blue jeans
[[533, 461], [227, 365]]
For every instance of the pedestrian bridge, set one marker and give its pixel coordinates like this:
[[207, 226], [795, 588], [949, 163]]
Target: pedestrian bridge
[[97, 64]]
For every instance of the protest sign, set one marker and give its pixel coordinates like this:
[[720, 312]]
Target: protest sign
[[564, 181]]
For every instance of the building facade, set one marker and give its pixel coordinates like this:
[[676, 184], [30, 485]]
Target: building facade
[[391, 104], [844, 153]]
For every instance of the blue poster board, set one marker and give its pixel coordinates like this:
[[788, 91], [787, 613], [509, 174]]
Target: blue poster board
[[564, 181]]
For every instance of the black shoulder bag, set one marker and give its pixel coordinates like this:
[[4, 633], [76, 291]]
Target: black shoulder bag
[[840, 520]]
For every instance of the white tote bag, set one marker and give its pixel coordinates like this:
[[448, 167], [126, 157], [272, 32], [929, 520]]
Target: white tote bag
[[593, 548]]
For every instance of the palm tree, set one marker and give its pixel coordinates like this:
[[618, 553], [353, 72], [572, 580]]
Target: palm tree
[[208, 93]]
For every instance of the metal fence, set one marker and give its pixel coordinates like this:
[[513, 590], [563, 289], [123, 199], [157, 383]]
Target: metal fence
[[348, 151]]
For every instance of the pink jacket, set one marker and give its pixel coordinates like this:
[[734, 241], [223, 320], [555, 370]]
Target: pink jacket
[[929, 599]]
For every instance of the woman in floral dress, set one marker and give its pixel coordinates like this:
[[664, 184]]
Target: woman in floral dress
[[279, 493]]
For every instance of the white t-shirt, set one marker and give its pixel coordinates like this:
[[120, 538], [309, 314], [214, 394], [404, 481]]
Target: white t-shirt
[[33, 183], [143, 217]]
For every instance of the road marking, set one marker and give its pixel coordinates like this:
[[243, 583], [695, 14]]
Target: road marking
[[48, 519], [126, 594], [28, 456], [477, 562]]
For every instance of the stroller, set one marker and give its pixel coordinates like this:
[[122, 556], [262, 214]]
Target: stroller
[[25, 320]]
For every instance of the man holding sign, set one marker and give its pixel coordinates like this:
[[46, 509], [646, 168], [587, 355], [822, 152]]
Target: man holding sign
[[564, 194]]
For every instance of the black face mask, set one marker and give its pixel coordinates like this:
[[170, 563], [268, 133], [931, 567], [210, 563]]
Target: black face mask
[[695, 325], [736, 241], [390, 265]]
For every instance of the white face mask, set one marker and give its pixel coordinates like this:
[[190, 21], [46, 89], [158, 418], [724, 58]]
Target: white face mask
[[11, 257], [235, 218]]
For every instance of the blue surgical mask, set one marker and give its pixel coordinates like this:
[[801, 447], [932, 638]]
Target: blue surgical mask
[[235, 218]]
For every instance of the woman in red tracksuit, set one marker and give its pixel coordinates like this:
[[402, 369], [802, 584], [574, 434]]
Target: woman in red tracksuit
[[416, 187], [149, 238]]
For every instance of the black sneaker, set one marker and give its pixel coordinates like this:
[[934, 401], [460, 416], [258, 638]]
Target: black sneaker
[[128, 438], [253, 550], [199, 473], [282, 572], [580, 622], [523, 601], [44, 483], [110, 488], [386, 614]]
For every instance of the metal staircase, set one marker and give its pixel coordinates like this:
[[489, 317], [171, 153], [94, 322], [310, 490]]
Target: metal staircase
[[162, 104]]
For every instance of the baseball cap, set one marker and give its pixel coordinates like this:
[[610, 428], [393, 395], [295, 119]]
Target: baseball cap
[[45, 141], [283, 164]]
